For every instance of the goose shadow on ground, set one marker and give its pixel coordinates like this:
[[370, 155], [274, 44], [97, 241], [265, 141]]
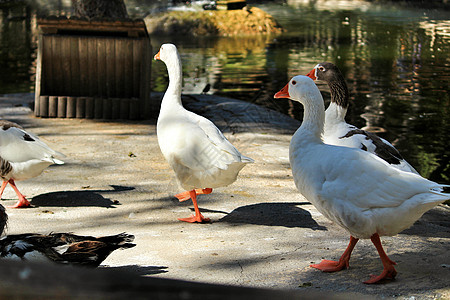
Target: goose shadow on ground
[[80, 198], [139, 270], [287, 214]]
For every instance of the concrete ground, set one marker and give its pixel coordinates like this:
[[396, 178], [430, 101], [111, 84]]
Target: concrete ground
[[263, 232]]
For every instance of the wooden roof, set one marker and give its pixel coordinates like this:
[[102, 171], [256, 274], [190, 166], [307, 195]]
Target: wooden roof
[[55, 25]]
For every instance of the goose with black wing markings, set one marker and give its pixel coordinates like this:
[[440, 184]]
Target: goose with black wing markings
[[356, 189]]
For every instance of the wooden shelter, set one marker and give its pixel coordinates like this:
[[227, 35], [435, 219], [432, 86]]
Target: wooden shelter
[[93, 69], [230, 4]]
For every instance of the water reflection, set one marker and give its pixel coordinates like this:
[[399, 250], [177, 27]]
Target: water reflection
[[397, 69], [396, 61], [229, 64]]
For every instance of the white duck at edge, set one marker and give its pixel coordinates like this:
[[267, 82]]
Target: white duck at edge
[[340, 133], [195, 148], [353, 188], [22, 156]]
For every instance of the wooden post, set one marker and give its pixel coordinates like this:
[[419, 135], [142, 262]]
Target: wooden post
[[98, 108], [134, 109], [53, 106], [115, 102], [62, 107], [89, 114], [43, 106], [107, 108], [37, 106], [125, 108], [81, 108], [71, 107]]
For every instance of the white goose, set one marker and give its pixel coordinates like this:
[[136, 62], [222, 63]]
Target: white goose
[[22, 156], [340, 133], [198, 152], [351, 187]]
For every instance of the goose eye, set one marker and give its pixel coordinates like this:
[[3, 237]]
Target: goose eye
[[294, 82]]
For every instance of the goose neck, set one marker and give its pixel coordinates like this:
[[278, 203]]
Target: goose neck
[[175, 78], [335, 113], [339, 92], [313, 120], [172, 96]]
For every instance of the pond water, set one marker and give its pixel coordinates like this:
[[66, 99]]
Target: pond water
[[396, 61]]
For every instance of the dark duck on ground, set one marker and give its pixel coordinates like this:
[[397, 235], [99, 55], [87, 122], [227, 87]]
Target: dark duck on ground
[[64, 248]]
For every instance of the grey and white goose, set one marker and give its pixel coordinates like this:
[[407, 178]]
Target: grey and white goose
[[340, 133], [22, 156]]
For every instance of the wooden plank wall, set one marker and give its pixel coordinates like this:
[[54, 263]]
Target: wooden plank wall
[[94, 77]]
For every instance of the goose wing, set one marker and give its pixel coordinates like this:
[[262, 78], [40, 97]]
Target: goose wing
[[17, 145], [382, 148], [205, 147], [367, 181]]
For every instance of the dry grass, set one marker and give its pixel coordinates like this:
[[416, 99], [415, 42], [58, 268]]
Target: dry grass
[[247, 21]]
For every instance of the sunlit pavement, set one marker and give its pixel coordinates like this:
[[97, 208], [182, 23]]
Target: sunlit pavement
[[263, 232]]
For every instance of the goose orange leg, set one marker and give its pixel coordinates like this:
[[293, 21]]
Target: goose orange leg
[[4, 184], [198, 217], [334, 266], [389, 271], [23, 202], [186, 195]]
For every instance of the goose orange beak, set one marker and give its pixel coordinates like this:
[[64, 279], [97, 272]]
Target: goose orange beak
[[157, 57], [312, 74], [283, 93]]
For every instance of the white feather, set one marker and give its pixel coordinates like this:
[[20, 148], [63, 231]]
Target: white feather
[[354, 188], [26, 153], [195, 148]]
